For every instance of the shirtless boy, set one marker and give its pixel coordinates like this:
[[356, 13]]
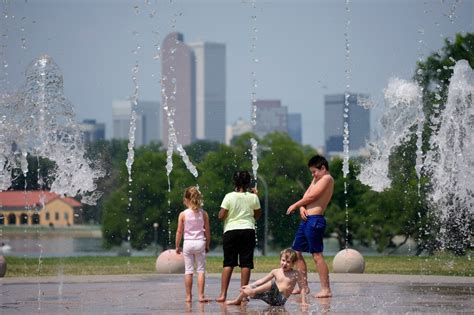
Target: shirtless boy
[[276, 291], [309, 236]]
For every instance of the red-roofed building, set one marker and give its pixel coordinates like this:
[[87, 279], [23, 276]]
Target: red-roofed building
[[38, 207]]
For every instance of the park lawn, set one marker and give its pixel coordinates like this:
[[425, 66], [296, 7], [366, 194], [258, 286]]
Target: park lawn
[[113, 265]]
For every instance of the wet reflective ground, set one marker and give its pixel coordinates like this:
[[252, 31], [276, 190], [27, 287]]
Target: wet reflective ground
[[164, 294]]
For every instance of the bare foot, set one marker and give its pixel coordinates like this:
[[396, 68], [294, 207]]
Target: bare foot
[[221, 299], [234, 302], [189, 298], [203, 299], [298, 291], [324, 293]]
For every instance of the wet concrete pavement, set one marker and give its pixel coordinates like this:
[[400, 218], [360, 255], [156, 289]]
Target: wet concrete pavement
[[164, 294]]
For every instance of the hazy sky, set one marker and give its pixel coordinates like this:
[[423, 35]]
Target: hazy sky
[[300, 47]]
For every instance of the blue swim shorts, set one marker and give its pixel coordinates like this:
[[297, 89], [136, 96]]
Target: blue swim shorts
[[309, 236]]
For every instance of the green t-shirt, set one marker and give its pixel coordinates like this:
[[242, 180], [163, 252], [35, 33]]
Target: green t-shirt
[[241, 206]]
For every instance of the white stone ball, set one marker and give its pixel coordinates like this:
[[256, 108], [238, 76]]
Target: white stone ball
[[348, 261], [3, 266], [170, 262]]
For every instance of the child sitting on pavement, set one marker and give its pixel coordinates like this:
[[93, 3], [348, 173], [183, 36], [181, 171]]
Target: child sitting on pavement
[[276, 291]]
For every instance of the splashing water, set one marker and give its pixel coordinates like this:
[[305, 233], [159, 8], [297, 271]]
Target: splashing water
[[403, 110], [255, 165], [39, 120], [450, 161]]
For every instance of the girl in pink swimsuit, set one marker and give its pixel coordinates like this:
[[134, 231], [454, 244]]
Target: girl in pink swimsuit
[[193, 226]]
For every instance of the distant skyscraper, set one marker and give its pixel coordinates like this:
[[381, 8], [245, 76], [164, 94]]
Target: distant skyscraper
[[210, 80], [271, 116], [92, 131], [147, 121], [178, 82], [237, 128], [359, 123], [295, 127], [121, 111], [151, 120]]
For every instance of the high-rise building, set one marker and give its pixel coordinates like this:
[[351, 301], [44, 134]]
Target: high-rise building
[[295, 127], [121, 113], [359, 123], [92, 131], [178, 86], [210, 80], [151, 120], [236, 129], [147, 122], [271, 116]]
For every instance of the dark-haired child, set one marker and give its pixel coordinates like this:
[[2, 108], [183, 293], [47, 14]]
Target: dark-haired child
[[239, 210]]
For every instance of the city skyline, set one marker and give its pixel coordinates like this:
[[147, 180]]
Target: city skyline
[[298, 55]]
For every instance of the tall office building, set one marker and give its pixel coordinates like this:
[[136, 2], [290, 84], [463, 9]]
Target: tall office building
[[359, 124], [236, 129], [295, 127], [210, 87], [150, 112], [271, 116], [178, 85], [147, 123], [92, 131]]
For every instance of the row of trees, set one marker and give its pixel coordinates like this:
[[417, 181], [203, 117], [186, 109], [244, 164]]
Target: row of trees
[[373, 218], [128, 211]]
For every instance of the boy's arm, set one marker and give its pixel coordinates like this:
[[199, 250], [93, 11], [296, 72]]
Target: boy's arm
[[263, 280], [312, 194], [207, 231], [179, 232]]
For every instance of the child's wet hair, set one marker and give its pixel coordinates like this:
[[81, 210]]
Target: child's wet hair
[[318, 161], [242, 179], [290, 253], [193, 198]]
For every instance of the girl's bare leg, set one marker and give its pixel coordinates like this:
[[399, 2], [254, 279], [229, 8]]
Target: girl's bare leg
[[201, 285], [225, 279], [188, 284]]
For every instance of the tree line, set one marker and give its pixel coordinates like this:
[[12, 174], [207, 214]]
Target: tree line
[[128, 210]]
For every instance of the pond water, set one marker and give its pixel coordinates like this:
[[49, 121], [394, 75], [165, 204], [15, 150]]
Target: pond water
[[89, 243]]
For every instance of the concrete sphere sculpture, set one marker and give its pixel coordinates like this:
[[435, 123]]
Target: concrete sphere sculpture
[[348, 261], [170, 262], [3, 266]]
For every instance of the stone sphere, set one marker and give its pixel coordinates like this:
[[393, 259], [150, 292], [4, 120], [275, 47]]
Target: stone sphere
[[170, 262], [3, 266], [348, 261]]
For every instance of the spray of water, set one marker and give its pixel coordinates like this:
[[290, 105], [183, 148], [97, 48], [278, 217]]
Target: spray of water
[[346, 132], [403, 109], [254, 142], [450, 160], [39, 120]]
